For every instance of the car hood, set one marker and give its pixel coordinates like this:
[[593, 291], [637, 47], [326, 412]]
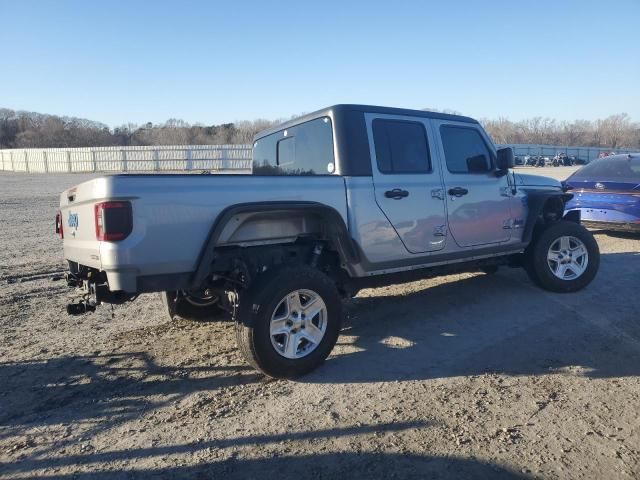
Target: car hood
[[525, 179]]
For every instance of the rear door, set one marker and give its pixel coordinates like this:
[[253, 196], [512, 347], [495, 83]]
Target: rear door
[[407, 183], [478, 201]]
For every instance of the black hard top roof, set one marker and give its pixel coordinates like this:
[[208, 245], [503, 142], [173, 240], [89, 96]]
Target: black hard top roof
[[364, 108]]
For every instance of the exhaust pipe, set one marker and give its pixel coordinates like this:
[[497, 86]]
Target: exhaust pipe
[[80, 308]]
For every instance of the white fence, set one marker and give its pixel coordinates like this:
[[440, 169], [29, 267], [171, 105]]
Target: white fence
[[179, 158], [214, 158]]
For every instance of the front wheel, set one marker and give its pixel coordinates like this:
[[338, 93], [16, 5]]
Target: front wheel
[[564, 258], [288, 321]]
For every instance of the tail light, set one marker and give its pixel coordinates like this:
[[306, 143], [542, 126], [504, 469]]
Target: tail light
[[59, 230], [113, 221]]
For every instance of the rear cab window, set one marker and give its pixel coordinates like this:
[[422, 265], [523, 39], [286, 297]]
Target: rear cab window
[[304, 149], [401, 146], [465, 150]]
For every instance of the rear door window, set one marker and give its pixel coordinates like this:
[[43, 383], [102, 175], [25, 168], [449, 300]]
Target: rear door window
[[401, 146], [465, 150]]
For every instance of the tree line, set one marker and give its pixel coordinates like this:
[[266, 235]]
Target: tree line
[[614, 131], [20, 129]]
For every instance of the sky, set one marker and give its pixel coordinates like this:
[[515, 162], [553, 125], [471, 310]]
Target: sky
[[217, 62]]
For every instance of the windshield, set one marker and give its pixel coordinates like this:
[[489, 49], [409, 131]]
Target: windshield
[[618, 168]]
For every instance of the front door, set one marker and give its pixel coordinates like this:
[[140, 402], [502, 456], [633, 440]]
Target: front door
[[477, 200], [407, 183]]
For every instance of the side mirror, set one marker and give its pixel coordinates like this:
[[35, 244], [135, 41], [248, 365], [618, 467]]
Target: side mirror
[[505, 159]]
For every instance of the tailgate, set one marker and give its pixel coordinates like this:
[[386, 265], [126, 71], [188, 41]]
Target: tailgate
[[78, 222]]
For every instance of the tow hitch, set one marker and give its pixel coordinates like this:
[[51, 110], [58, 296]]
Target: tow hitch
[[89, 297], [95, 290], [88, 304], [80, 308]]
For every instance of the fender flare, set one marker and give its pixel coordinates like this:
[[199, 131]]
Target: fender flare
[[337, 231], [536, 202]]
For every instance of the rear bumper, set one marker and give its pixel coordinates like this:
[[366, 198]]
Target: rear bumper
[[128, 281], [620, 218], [612, 226], [124, 280]]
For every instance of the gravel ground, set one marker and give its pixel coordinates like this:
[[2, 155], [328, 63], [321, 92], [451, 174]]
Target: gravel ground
[[467, 376]]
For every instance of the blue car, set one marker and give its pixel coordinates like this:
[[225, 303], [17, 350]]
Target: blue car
[[606, 192]]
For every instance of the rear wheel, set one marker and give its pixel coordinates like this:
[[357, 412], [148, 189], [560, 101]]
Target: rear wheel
[[564, 258], [196, 305], [289, 322]]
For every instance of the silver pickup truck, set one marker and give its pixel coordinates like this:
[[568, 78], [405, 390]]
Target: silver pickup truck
[[345, 198]]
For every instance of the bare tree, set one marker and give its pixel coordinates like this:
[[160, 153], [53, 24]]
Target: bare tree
[[31, 129], [616, 130]]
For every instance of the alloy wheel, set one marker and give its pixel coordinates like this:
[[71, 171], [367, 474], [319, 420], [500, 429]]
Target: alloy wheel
[[567, 257], [298, 324]]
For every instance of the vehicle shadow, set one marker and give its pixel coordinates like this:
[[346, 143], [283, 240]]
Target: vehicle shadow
[[260, 463], [477, 324], [492, 323], [482, 323], [101, 391], [323, 466]]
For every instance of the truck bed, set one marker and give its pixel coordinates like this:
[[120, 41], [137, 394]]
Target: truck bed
[[173, 216]]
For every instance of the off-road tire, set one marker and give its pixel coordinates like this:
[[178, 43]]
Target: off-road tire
[[176, 306], [257, 306], [535, 257]]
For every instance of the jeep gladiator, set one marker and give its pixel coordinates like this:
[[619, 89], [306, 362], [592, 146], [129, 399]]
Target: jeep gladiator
[[345, 198]]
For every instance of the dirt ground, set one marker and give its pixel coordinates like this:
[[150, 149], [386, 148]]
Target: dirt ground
[[467, 376]]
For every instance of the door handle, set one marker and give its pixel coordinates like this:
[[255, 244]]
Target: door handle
[[396, 193], [458, 191]]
